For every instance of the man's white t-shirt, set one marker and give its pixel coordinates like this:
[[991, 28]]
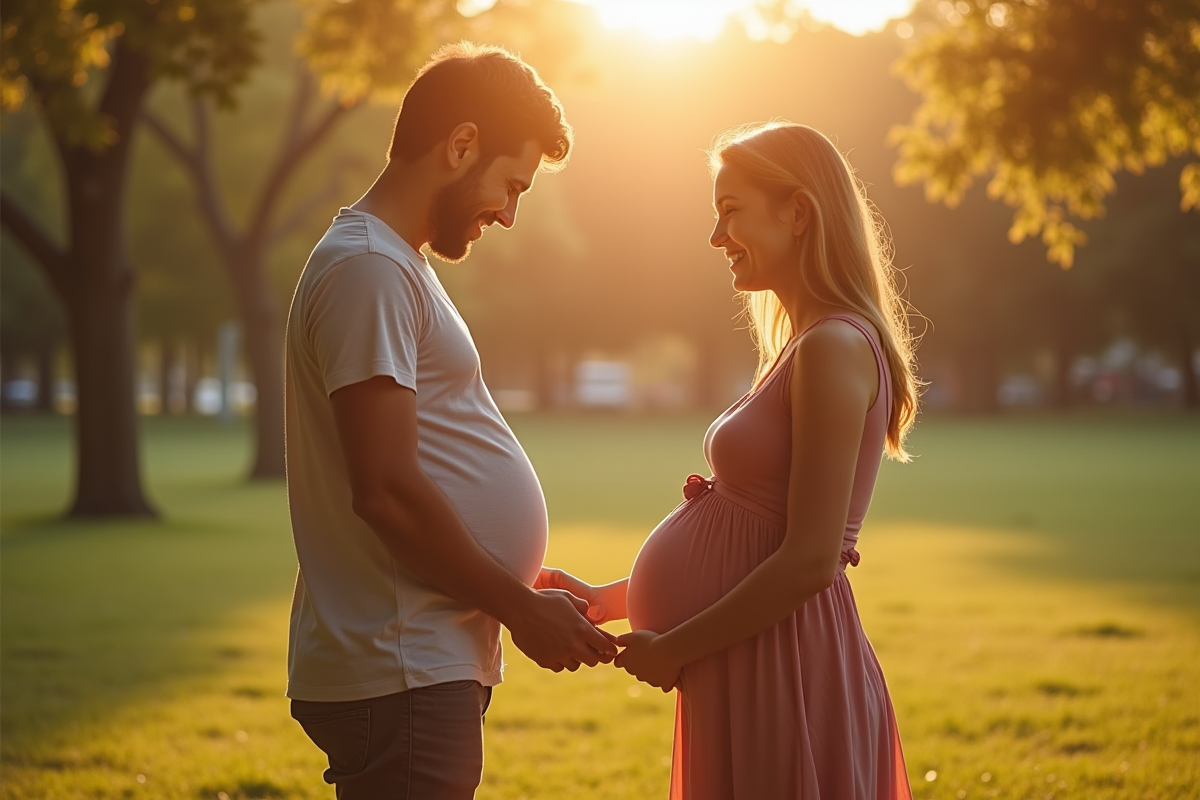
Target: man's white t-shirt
[[362, 626]]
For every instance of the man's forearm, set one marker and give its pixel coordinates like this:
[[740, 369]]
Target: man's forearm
[[424, 532]]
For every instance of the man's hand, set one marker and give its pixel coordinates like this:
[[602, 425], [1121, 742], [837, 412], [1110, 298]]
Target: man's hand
[[605, 603], [552, 631]]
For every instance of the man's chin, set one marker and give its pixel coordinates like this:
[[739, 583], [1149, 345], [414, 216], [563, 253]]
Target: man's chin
[[451, 253]]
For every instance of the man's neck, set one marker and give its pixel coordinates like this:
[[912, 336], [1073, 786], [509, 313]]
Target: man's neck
[[401, 197]]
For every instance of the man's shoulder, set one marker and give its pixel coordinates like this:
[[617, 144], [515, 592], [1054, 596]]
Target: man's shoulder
[[360, 231], [353, 248], [349, 236]]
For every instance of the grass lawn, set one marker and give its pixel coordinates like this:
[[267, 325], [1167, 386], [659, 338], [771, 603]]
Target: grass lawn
[[1032, 587]]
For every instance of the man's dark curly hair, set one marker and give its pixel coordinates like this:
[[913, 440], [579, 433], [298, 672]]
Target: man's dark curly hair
[[491, 87]]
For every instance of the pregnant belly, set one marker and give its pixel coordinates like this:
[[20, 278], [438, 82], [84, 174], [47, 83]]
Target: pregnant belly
[[694, 556], [654, 598]]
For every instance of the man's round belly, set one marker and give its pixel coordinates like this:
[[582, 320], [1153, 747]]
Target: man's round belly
[[507, 516]]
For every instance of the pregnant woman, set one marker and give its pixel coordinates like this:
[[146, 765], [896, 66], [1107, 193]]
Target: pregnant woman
[[739, 599]]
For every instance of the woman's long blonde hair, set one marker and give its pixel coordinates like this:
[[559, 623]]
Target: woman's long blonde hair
[[845, 256]]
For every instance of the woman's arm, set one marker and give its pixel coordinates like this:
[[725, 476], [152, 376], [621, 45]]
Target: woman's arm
[[605, 603], [834, 381]]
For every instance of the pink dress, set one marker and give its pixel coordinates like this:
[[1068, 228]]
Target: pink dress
[[801, 710]]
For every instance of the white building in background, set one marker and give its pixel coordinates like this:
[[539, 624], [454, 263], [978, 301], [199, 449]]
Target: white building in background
[[239, 397], [604, 384]]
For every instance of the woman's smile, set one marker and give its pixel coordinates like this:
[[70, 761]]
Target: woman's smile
[[751, 220]]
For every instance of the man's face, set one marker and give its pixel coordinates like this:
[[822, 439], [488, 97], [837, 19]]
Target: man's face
[[486, 193]]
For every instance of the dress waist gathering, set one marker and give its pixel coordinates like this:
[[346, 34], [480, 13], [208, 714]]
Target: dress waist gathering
[[697, 485]]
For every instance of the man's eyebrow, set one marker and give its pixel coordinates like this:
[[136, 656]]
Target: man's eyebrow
[[722, 199]]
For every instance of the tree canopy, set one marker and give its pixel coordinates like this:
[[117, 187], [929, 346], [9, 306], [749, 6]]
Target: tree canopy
[[87, 65], [54, 49], [1050, 99]]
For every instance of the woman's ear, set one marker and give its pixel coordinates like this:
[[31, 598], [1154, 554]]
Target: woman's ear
[[462, 145], [801, 209]]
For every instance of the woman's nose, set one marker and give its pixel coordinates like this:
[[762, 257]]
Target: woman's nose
[[717, 237]]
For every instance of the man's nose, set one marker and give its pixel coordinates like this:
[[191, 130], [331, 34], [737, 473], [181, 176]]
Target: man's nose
[[507, 216]]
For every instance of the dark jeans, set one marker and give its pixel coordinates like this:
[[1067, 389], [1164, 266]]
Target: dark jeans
[[423, 744]]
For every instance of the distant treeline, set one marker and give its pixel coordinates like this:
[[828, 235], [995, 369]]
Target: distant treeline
[[613, 253]]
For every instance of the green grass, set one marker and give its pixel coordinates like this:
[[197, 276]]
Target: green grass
[[1032, 587]]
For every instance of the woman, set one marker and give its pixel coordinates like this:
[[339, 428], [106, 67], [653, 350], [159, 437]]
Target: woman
[[739, 599]]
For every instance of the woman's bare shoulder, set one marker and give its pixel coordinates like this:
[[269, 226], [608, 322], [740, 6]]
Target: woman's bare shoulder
[[835, 356]]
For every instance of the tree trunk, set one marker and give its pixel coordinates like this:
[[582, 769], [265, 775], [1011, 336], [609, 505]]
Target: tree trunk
[[100, 302], [980, 378], [166, 370], [979, 366], [264, 346], [193, 357], [245, 252], [45, 365], [1063, 323], [108, 473], [8, 372], [1191, 391]]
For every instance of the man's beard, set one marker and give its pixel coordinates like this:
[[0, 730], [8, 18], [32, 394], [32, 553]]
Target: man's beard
[[451, 216]]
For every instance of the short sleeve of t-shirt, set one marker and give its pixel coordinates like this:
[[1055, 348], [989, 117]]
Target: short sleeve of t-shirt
[[365, 318]]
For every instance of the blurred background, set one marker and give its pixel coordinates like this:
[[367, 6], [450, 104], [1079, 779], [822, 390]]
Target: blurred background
[[167, 165], [607, 294]]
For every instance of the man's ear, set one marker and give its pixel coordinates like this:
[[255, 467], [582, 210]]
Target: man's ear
[[801, 210], [462, 146]]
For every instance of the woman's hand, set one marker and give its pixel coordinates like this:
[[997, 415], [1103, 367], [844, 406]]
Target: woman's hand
[[605, 603], [646, 659]]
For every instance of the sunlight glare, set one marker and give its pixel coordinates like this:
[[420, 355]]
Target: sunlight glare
[[704, 19], [667, 19], [858, 17]]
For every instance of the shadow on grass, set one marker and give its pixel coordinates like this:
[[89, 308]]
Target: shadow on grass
[[99, 614]]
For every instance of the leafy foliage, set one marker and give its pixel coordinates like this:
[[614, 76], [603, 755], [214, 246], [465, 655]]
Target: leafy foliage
[[365, 48], [369, 49], [1051, 98], [55, 49]]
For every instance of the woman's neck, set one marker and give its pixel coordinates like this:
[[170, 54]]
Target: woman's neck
[[804, 310]]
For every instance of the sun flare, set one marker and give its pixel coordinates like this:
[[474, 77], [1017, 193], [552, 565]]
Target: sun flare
[[704, 19], [857, 17], [667, 19]]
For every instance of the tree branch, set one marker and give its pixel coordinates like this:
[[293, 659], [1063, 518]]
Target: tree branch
[[303, 210], [35, 240], [173, 144], [197, 160], [300, 106], [129, 79], [298, 146]]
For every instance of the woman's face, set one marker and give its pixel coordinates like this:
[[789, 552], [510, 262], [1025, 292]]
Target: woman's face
[[757, 233]]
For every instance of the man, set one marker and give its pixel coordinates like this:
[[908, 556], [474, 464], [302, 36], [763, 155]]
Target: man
[[418, 520]]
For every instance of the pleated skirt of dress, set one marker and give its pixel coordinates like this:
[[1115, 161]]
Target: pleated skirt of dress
[[799, 711]]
